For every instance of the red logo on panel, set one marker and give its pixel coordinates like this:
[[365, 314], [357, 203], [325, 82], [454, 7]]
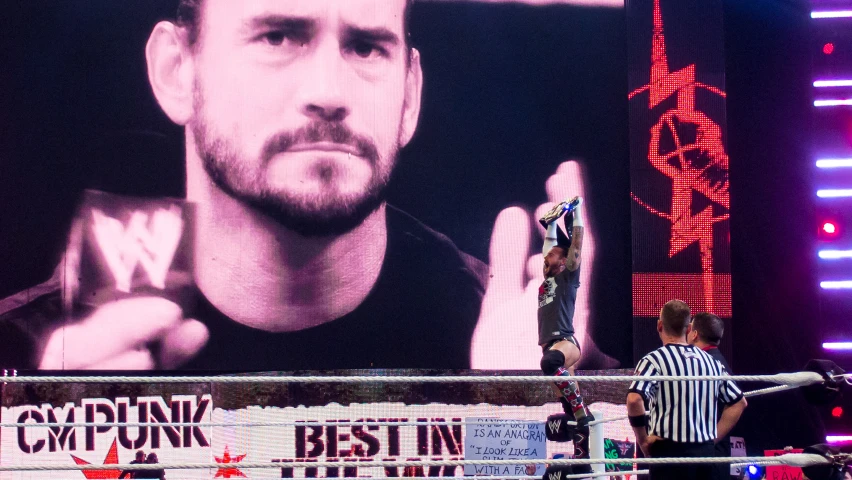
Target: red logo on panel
[[110, 459], [228, 472], [686, 146]]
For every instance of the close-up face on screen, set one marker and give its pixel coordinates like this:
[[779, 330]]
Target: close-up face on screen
[[212, 185]]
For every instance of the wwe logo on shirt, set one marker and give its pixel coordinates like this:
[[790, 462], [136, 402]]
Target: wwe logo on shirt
[[124, 248], [557, 475]]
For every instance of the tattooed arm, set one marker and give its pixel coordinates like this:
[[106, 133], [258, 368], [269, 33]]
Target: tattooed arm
[[576, 248]]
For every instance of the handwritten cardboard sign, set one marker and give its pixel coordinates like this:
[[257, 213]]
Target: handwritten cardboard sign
[[499, 439]]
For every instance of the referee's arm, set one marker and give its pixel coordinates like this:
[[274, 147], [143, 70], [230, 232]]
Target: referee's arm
[[636, 409], [637, 392], [735, 403]]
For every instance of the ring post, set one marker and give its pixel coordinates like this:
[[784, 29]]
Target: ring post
[[596, 443]]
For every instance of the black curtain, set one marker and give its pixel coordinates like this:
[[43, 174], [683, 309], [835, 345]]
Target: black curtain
[[776, 324]]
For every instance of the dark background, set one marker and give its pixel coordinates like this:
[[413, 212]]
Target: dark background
[[777, 326], [511, 91]]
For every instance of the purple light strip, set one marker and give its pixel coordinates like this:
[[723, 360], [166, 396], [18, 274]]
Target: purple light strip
[[838, 102], [838, 438], [834, 254], [833, 83], [831, 14], [834, 192], [834, 162]]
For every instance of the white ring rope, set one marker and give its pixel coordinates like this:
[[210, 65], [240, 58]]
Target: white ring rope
[[296, 423], [798, 379], [364, 423], [789, 459], [501, 477], [603, 420], [306, 423], [765, 391], [576, 475]]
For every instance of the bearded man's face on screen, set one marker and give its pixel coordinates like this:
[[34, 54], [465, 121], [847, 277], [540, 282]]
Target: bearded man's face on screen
[[300, 107]]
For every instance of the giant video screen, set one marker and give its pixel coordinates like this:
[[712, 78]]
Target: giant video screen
[[211, 185]]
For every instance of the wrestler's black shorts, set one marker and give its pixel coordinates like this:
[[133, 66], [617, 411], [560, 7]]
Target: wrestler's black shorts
[[570, 338]]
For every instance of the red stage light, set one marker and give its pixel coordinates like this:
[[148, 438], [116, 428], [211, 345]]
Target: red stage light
[[828, 48], [829, 230], [837, 412]]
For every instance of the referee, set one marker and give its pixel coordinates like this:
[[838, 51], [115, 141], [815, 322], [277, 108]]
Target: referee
[[682, 414]]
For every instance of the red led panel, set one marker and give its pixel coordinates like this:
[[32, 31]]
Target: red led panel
[[652, 290], [679, 166]]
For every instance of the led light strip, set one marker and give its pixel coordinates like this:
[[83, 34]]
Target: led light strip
[[832, 83], [833, 103], [834, 193], [831, 14], [838, 438], [834, 254], [836, 284], [834, 163]]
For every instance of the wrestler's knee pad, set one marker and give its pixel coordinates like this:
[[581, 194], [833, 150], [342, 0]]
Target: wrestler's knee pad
[[551, 361], [557, 472], [557, 428]]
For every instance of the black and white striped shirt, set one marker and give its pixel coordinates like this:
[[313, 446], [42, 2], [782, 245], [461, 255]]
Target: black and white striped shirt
[[683, 411]]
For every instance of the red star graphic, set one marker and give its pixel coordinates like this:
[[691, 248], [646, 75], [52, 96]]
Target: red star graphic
[[110, 459], [229, 472]]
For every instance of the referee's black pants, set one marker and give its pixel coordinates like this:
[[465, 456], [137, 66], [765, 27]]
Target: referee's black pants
[[668, 448]]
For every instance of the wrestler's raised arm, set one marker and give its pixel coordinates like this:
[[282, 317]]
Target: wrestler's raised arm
[[576, 248]]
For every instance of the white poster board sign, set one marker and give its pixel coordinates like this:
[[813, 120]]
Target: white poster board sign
[[500, 439]]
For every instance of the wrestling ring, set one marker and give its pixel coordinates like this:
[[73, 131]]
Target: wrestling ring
[[818, 465]]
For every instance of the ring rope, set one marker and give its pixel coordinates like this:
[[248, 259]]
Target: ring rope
[[765, 391], [789, 459], [284, 424], [585, 475], [262, 424], [798, 379], [602, 420], [753, 393], [501, 477]]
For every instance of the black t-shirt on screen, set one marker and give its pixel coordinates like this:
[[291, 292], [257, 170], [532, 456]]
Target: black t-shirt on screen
[[421, 313]]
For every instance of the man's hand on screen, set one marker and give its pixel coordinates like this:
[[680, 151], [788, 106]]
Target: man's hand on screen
[[120, 335], [506, 336]]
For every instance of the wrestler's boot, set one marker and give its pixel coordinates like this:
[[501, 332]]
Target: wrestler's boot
[[572, 403], [552, 363]]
